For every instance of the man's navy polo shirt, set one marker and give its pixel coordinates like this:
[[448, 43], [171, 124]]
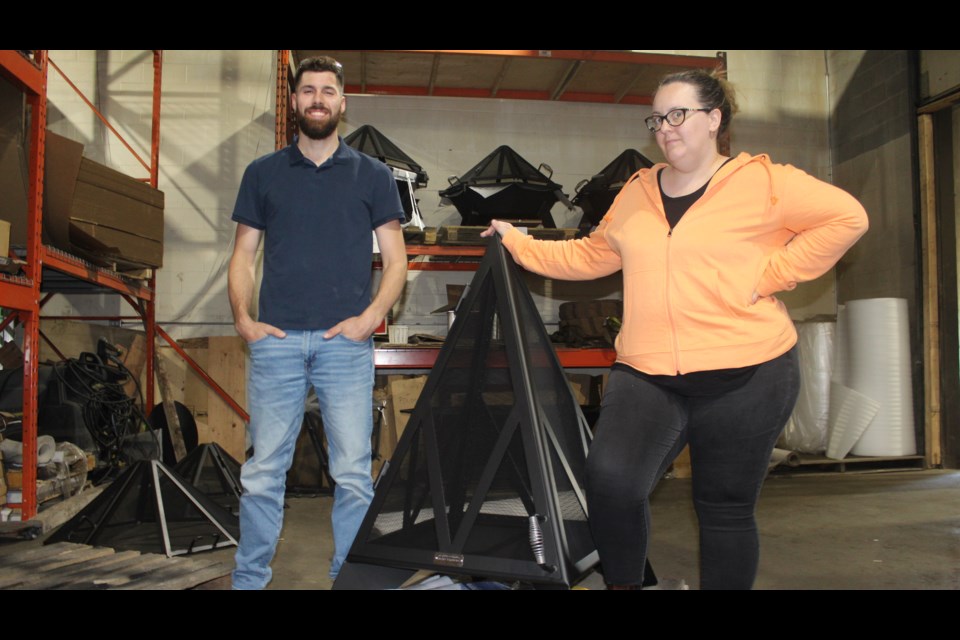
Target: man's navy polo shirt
[[317, 222]]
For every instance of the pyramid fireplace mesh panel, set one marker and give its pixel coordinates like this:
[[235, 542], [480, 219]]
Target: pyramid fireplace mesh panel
[[597, 195], [495, 441], [504, 185], [149, 508], [214, 473]]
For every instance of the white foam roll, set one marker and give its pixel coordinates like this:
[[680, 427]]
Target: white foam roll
[[13, 450], [850, 415], [46, 447], [806, 430], [877, 352]]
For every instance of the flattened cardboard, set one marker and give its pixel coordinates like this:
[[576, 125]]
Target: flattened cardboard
[[13, 163], [113, 244], [113, 180], [4, 238], [97, 212], [107, 208], [61, 168]]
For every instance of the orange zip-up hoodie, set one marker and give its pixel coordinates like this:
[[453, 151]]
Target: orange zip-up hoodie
[[760, 227]]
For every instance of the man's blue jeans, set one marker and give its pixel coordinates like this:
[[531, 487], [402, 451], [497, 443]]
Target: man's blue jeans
[[281, 372]]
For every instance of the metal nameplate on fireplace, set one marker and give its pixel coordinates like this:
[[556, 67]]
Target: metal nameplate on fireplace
[[448, 559]]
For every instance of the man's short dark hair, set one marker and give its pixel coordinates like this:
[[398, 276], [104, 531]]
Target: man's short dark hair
[[319, 63]]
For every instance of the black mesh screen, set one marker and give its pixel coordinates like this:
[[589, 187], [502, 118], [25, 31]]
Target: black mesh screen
[[570, 500], [465, 416], [563, 421], [368, 139], [406, 517], [186, 516], [140, 505], [505, 165], [566, 431], [214, 473], [596, 196], [503, 185], [496, 437]]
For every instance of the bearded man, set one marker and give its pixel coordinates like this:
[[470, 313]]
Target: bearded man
[[314, 205]]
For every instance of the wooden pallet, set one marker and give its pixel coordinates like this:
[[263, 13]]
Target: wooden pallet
[[809, 463], [77, 566], [461, 236], [553, 234], [413, 235], [470, 236]]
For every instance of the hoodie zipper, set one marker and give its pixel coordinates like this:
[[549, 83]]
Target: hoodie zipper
[[675, 342], [674, 339], [669, 307]]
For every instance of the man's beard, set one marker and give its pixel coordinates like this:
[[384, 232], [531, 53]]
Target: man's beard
[[316, 130]]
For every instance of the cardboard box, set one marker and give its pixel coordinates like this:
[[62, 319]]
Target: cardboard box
[[13, 162], [14, 478], [585, 388], [4, 238], [97, 213]]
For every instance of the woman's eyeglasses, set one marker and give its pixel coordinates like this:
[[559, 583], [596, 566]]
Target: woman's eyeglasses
[[674, 118]]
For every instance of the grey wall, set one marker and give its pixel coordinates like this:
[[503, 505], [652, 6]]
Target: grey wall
[[939, 72], [873, 153], [873, 147], [217, 114]]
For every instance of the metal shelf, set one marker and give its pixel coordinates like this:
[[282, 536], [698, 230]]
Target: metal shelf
[[402, 357], [17, 293], [26, 74], [81, 271], [564, 75], [445, 250], [22, 294]]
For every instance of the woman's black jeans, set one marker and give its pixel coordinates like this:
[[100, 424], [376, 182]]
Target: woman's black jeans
[[643, 427]]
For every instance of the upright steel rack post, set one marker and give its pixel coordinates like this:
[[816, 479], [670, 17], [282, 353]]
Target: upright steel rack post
[[27, 70]]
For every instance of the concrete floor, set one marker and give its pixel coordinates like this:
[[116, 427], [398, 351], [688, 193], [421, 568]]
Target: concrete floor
[[897, 530]]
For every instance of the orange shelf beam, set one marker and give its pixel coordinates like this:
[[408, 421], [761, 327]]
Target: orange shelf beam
[[17, 294], [21, 72], [445, 250], [626, 57], [425, 357], [74, 266]]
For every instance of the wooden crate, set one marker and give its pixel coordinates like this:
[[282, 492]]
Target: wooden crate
[[469, 236], [586, 388], [224, 359], [402, 395], [413, 235]]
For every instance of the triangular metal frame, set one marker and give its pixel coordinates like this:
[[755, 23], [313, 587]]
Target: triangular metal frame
[[371, 141], [211, 458], [594, 196], [539, 456], [407, 173], [521, 191], [142, 482]]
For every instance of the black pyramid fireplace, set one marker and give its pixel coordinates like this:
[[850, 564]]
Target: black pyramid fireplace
[[487, 479]]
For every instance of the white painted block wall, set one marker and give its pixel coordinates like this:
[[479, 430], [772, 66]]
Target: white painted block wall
[[217, 116]]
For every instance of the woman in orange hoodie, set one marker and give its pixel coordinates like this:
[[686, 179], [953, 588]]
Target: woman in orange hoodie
[[706, 355]]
